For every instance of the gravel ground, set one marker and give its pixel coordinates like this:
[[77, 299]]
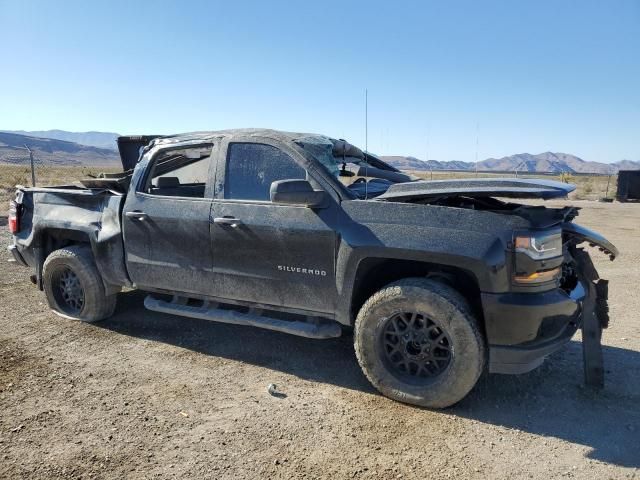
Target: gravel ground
[[147, 395]]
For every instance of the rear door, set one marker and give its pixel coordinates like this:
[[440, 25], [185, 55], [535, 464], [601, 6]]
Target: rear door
[[166, 222], [266, 253]]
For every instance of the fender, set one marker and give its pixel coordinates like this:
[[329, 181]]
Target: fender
[[473, 241], [95, 218]]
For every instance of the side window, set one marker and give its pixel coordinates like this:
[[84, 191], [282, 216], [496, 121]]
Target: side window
[[180, 173], [252, 167]]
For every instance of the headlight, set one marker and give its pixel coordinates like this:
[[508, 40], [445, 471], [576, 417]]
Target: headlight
[[535, 278], [538, 257], [540, 245]]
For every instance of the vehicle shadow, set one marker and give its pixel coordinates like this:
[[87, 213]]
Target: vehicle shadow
[[550, 401], [554, 401], [327, 361], [3, 220]]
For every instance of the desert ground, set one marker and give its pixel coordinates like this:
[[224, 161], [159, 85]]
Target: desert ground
[[148, 395]]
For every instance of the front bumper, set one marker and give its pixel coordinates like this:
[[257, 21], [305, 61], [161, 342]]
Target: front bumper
[[523, 328]]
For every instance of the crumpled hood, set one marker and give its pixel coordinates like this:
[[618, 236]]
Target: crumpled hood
[[479, 187]]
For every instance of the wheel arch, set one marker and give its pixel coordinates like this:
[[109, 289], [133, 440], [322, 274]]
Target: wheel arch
[[74, 287], [373, 273], [48, 240]]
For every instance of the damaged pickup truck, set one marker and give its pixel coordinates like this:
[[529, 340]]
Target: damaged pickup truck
[[308, 235]]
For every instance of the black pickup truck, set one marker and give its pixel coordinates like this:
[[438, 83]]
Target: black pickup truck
[[309, 235]]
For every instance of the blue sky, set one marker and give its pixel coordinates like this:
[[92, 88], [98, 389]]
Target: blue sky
[[519, 76]]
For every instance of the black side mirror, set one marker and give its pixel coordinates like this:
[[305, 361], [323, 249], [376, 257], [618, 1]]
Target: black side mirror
[[296, 192]]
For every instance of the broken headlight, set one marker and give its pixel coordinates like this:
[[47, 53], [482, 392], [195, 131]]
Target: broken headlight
[[538, 257], [540, 245]]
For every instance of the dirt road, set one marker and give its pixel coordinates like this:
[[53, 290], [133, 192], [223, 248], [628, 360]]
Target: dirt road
[[147, 395]]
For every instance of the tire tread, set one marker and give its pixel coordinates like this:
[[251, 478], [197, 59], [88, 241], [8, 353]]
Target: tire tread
[[81, 258], [406, 287]]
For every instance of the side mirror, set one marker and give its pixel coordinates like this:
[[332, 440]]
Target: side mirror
[[296, 192]]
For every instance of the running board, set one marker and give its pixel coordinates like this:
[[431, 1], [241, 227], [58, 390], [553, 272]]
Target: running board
[[208, 311]]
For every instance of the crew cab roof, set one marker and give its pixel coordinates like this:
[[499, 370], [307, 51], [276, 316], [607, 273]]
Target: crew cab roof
[[129, 146]]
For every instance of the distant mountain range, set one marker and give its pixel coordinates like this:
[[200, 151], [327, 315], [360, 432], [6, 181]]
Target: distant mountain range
[[523, 162], [53, 152], [100, 148], [413, 163], [92, 139]]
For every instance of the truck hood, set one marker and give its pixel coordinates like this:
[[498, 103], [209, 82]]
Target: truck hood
[[478, 187]]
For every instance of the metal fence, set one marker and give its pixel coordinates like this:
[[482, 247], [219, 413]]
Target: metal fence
[[19, 168], [24, 167]]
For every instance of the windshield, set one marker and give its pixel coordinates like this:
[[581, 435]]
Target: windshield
[[352, 167]]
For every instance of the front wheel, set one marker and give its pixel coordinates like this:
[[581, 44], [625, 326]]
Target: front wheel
[[73, 285], [417, 342]]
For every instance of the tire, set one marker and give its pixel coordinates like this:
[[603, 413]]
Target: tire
[[436, 360], [74, 287]]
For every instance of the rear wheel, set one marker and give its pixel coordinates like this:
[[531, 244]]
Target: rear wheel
[[74, 287], [418, 342]]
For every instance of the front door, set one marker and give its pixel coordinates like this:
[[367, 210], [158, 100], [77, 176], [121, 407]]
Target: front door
[[276, 255], [166, 223]]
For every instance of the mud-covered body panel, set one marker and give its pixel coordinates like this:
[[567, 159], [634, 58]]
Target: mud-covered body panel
[[473, 241], [86, 214]]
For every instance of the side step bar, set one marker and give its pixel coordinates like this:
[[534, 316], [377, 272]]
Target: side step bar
[[208, 311]]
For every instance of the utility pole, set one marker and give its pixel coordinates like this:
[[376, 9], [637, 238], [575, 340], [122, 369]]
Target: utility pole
[[518, 167], [366, 120], [477, 143], [33, 170], [366, 142], [427, 154]]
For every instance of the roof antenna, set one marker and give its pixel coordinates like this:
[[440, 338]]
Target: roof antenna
[[366, 143]]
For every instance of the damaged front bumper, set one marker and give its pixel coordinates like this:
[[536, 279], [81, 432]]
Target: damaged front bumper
[[524, 328]]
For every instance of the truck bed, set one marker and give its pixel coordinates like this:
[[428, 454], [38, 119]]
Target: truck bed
[[91, 215]]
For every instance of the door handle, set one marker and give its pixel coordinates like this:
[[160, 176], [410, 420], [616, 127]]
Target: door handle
[[137, 215], [231, 221]]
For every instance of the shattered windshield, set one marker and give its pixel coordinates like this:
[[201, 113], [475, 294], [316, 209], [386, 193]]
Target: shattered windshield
[[347, 163], [321, 148]]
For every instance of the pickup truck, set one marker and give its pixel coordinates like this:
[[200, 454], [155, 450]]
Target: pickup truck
[[438, 281]]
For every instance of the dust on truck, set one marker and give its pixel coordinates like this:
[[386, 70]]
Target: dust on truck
[[309, 235]]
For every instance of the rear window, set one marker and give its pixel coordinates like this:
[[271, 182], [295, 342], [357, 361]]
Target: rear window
[[180, 173]]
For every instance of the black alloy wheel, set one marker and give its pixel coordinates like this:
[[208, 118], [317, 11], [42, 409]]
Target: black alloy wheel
[[415, 347], [68, 291]]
